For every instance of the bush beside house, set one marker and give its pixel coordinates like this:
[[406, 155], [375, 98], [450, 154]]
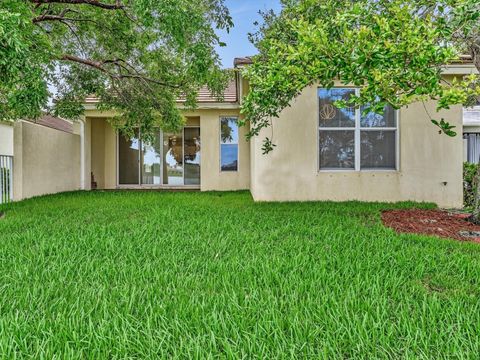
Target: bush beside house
[[469, 184]]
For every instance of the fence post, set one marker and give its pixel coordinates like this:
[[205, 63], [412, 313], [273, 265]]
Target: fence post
[[6, 179], [11, 178], [1, 180]]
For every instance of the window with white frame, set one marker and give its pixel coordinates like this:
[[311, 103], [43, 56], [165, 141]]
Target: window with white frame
[[349, 140], [229, 144]]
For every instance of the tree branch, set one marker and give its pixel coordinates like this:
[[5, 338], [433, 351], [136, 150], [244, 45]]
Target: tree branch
[[117, 6], [60, 18], [100, 65]]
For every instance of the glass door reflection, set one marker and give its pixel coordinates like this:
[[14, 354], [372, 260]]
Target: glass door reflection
[[192, 156], [166, 159], [172, 159], [151, 161], [128, 152]]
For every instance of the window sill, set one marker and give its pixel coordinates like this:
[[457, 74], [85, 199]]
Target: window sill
[[350, 171]]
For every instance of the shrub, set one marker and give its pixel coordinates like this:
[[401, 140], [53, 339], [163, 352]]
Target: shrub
[[469, 184]]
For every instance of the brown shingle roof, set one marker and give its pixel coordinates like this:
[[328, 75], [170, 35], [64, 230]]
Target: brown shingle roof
[[55, 123], [204, 95], [229, 95]]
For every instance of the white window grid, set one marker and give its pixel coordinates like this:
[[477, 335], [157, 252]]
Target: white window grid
[[357, 138]]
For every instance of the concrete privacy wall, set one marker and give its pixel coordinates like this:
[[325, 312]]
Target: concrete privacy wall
[[6, 139], [46, 161]]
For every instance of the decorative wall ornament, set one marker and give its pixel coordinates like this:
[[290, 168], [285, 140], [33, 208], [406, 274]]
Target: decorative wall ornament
[[328, 112]]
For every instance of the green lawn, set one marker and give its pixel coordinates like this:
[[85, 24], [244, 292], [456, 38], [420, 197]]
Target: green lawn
[[197, 275]]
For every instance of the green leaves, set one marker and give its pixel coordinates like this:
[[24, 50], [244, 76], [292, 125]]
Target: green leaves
[[445, 127], [138, 57], [22, 85], [393, 50]]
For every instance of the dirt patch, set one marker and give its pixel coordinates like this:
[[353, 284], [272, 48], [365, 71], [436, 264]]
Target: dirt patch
[[2, 215], [432, 222]]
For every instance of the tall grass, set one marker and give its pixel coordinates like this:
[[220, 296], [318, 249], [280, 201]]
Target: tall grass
[[204, 275]]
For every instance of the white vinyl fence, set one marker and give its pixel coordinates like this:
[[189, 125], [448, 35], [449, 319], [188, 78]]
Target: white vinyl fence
[[6, 179]]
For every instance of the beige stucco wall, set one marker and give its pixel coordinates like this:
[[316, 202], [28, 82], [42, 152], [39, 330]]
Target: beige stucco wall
[[102, 145], [211, 176], [46, 161], [427, 161], [6, 139], [101, 156], [430, 165]]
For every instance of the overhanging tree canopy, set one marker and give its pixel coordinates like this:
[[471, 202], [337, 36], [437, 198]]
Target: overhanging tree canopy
[[137, 57], [394, 50]]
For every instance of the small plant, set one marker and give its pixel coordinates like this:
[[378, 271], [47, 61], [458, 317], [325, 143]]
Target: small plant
[[469, 184]]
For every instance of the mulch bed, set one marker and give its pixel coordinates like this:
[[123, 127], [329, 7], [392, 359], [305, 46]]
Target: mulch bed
[[432, 222]]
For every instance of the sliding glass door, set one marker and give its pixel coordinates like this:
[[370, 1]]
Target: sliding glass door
[[152, 161], [192, 156], [173, 159], [128, 155], [169, 160]]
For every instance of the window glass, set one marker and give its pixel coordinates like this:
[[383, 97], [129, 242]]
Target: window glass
[[128, 158], [172, 159], [473, 147], [378, 149], [229, 155], [329, 114], [151, 161], [370, 143], [337, 149], [192, 156], [229, 144], [377, 120], [229, 131]]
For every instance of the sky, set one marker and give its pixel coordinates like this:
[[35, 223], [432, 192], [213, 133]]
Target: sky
[[244, 14]]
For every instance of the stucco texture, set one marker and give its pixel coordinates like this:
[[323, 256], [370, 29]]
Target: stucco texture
[[101, 151], [211, 176], [430, 164], [46, 161]]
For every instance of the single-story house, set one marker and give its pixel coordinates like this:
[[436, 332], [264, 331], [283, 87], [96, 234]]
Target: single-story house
[[321, 153]]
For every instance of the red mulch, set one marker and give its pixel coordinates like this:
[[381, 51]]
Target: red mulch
[[431, 222]]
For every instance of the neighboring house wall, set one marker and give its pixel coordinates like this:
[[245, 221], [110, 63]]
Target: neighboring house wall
[[6, 139], [46, 160], [471, 131], [430, 165]]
